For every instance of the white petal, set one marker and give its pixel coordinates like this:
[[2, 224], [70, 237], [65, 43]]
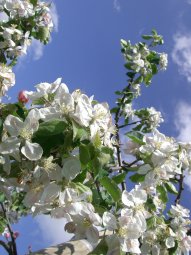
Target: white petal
[[113, 244], [139, 196], [13, 124], [10, 146], [69, 195], [170, 242], [7, 164], [31, 122], [32, 197], [55, 85], [92, 235], [50, 193], [127, 199], [48, 113], [32, 151], [71, 168], [109, 221], [131, 245]]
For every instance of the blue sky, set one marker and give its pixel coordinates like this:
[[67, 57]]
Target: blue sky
[[85, 51]]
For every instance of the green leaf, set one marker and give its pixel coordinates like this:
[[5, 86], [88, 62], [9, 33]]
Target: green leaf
[[119, 178], [111, 188], [162, 193], [20, 111], [81, 176], [171, 188], [139, 80], [50, 128], [51, 134], [154, 69], [3, 224], [2, 197], [79, 133], [147, 37], [118, 92], [137, 178], [147, 78], [136, 137], [131, 74], [50, 142], [172, 251], [83, 189], [114, 110], [85, 156], [34, 2], [151, 222], [150, 204], [43, 34], [38, 101], [101, 248]]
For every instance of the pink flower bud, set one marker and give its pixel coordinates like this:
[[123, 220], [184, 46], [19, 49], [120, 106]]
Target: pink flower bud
[[22, 97], [16, 234], [7, 235]]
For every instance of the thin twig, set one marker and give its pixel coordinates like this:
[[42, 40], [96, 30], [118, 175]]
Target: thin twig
[[97, 186], [129, 124], [117, 117], [5, 246], [130, 164], [13, 243], [181, 188]]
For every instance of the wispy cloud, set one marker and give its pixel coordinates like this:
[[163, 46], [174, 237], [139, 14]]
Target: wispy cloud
[[181, 53], [55, 17], [52, 230], [183, 124], [183, 121], [116, 5], [36, 49]]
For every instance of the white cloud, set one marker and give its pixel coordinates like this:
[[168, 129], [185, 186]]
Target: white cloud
[[36, 49], [181, 53], [187, 180], [52, 230], [183, 125], [183, 121], [55, 18], [116, 5]]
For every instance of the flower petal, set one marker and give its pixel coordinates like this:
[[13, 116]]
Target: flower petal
[[32, 151]]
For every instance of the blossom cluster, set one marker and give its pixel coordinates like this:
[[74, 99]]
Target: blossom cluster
[[58, 156], [41, 176], [23, 21]]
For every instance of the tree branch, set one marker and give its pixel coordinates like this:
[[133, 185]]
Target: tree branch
[[13, 243], [181, 188], [5, 246]]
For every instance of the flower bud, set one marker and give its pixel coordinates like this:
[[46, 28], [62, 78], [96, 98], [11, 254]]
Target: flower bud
[[22, 97], [16, 234]]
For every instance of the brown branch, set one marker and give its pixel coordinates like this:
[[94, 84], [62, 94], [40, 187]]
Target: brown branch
[[13, 243], [97, 186], [117, 117], [129, 124], [130, 164], [181, 188], [6, 247]]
